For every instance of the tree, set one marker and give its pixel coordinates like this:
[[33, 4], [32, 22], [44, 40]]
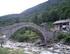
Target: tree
[[53, 15]]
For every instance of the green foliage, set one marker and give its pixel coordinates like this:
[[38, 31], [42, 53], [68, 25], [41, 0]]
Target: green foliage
[[58, 12], [11, 51], [25, 35], [64, 36], [61, 36], [67, 40], [3, 51]]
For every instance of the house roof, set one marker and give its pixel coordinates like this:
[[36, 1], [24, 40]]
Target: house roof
[[61, 21]]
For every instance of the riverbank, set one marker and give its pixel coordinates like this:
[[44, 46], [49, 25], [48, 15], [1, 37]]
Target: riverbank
[[30, 48]]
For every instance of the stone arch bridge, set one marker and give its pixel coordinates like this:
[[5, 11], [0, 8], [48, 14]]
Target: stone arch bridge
[[9, 30]]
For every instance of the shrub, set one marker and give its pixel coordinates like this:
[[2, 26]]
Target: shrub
[[64, 36], [26, 35], [67, 40], [61, 36]]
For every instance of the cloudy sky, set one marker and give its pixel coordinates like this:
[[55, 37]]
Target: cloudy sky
[[17, 6]]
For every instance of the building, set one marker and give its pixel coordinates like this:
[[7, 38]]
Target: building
[[62, 25]]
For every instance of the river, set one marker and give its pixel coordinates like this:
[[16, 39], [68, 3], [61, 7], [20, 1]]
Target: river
[[30, 48]]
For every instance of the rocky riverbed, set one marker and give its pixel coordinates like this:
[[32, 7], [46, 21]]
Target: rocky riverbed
[[29, 48]]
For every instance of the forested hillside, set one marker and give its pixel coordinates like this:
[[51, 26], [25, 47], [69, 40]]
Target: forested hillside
[[46, 12]]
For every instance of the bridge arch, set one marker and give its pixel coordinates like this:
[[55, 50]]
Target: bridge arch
[[32, 29], [9, 30]]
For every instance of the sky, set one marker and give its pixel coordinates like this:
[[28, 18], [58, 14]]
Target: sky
[[17, 6]]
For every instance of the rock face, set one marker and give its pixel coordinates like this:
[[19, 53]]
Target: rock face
[[9, 30]]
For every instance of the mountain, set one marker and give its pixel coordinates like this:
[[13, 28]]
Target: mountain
[[33, 12], [38, 8]]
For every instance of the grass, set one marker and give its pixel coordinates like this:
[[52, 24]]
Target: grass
[[11, 51]]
